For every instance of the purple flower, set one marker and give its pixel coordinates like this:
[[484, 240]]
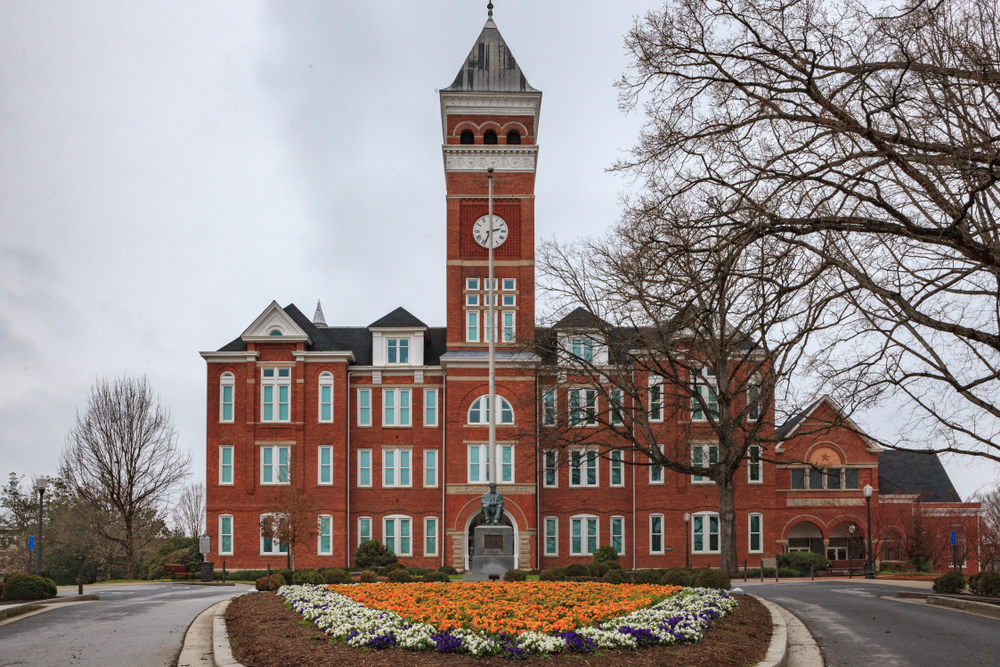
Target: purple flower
[[381, 642], [445, 642], [577, 643]]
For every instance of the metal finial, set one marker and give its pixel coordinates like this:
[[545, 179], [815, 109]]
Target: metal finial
[[489, 9]]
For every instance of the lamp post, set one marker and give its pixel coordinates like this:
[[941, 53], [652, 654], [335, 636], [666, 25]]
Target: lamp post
[[40, 485], [687, 542], [870, 565]]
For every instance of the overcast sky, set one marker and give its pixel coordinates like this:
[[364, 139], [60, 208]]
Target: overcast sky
[[169, 168]]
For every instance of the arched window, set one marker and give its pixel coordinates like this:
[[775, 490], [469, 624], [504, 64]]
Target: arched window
[[227, 383], [479, 412], [513, 137], [467, 137], [326, 396], [275, 332], [490, 137]]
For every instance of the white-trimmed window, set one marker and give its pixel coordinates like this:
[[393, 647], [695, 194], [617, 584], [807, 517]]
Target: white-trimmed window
[[430, 536], [617, 468], [396, 535], [472, 284], [549, 407], [655, 398], [704, 456], [583, 467], [508, 284], [550, 458], [396, 467], [364, 529], [325, 465], [656, 533], [755, 472], [583, 349], [479, 464], [616, 408], [618, 534], [395, 407], [227, 385], [397, 351], [705, 533], [274, 465], [753, 399], [275, 390], [430, 407], [326, 397], [756, 532], [508, 300], [583, 407], [226, 535], [656, 470], [430, 468], [272, 546], [226, 465], [479, 412], [472, 325], [364, 467], [324, 538], [704, 387], [508, 325], [583, 535], [364, 407], [551, 536]]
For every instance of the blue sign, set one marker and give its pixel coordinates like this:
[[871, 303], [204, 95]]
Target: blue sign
[[953, 538], [31, 542]]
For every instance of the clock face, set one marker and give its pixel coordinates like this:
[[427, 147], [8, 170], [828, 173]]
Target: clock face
[[481, 231]]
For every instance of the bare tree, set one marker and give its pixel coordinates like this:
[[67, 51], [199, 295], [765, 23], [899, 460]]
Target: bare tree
[[685, 332], [290, 519], [870, 136], [189, 514], [121, 463]]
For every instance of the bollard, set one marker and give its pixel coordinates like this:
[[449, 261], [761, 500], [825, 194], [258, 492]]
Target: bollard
[[79, 575], [812, 573], [776, 568], [761, 569], [744, 569], [269, 569], [223, 570], [850, 568]]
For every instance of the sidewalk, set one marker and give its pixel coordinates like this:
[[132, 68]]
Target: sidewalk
[[928, 585]]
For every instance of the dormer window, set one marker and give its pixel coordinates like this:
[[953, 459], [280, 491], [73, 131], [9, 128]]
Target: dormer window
[[583, 348], [398, 351]]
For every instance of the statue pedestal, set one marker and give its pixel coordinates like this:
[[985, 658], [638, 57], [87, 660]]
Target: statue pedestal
[[493, 553]]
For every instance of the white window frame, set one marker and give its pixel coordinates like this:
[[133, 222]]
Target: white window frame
[[362, 468], [397, 408], [706, 542], [616, 462], [654, 468], [275, 542], [227, 381], [361, 523], [760, 533], [583, 349], [472, 326], [583, 407], [586, 520], [223, 465], [325, 381], [431, 411], [484, 415], [550, 408], [704, 380], [397, 521], [758, 464], [223, 534], [364, 403], [472, 284], [431, 454], [276, 383], [513, 284], [611, 533], [584, 457], [509, 333], [655, 400], [320, 465], [550, 456], [431, 521], [320, 535], [397, 467], [753, 399], [616, 407], [706, 455], [653, 534], [554, 522], [401, 343], [276, 465], [484, 465]]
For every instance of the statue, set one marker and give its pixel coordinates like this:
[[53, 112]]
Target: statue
[[492, 506]]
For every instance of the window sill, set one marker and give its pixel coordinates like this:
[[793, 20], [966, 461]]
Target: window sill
[[660, 483], [275, 483], [396, 426]]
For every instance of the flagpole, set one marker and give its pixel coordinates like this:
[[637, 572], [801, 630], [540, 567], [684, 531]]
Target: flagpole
[[491, 332]]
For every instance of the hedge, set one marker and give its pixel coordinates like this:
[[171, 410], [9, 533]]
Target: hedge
[[24, 586]]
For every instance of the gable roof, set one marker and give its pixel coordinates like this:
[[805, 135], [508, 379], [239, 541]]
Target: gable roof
[[274, 319], [490, 66], [580, 318], [915, 472], [398, 319]]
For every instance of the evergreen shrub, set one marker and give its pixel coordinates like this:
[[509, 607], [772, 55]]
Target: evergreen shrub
[[617, 576], [400, 576], [950, 582], [368, 577], [24, 586], [436, 577], [677, 576], [448, 569], [515, 575], [712, 579], [272, 583], [373, 554]]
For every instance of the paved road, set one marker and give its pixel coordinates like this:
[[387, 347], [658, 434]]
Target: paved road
[[130, 626], [857, 624]]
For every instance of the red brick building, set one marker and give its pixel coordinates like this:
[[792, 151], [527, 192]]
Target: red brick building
[[384, 427]]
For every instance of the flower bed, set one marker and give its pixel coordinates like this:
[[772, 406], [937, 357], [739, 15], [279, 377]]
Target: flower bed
[[513, 619]]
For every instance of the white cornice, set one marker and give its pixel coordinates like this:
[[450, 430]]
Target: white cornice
[[228, 357], [344, 356], [478, 158], [274, 318], [465, 103]]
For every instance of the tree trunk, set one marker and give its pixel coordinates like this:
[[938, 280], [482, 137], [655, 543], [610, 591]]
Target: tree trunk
[[727, 525]]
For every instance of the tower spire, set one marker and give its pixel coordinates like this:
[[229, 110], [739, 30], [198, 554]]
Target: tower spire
[[318, 318], [489, 10]]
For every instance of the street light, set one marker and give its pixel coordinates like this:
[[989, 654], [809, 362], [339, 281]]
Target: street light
[[40, 485], [870, 565], [687, 542]]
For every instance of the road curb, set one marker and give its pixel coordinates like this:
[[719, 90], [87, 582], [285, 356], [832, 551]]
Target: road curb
[[11, 611], [777, 652], [971, 606]]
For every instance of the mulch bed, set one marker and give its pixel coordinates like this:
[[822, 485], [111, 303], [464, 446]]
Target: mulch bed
[[265, 634]]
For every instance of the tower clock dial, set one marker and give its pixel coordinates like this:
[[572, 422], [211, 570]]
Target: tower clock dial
[[481, 231]]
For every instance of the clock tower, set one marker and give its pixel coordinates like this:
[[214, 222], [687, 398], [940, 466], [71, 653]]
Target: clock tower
[[489, 117]]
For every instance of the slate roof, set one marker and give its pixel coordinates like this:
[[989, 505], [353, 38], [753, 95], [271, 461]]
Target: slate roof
[[915, 472], [401, 318], [490, 66], [782, 431], [580, 318], [357, 339]]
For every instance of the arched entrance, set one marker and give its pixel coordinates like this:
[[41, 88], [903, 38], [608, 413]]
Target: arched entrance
[[477, 520], [805, 536]]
